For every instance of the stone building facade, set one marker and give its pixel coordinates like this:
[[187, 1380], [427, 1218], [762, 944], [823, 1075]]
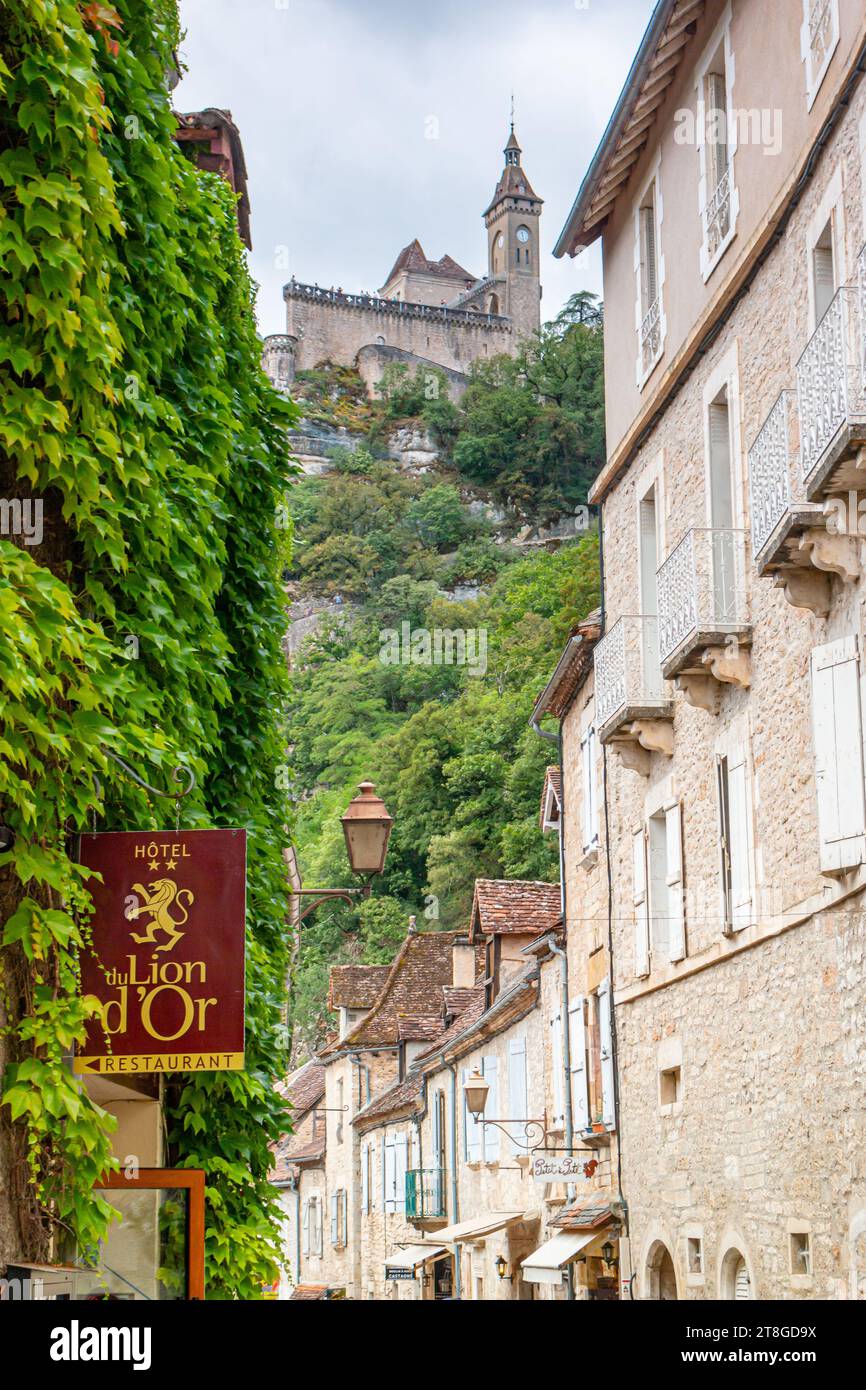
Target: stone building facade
[[428, 313], [726, 690]]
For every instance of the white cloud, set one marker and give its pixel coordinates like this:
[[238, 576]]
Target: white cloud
[[332, 98]]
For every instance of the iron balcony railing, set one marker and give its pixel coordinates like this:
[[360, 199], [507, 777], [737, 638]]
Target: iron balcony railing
[[628, 674], [425, 1194], [831, 378], [702, 589], [651, 335], [775, 482], [717, 214]]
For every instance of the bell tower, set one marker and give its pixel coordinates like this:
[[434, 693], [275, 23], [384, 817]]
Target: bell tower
[[513, 250]]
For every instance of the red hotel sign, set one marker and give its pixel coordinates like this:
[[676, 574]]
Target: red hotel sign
[[167, 957]]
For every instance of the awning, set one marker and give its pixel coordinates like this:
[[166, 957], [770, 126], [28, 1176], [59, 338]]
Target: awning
[[476, 1228], [545, 1265], [413, 1256]]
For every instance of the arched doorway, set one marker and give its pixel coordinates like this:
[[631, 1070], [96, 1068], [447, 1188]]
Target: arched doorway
[[736, 1280], [661, 1278]]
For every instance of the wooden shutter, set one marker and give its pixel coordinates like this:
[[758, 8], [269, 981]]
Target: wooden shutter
[[400, 1168], [490, 1134], [577, 1050], [838, 738], [742, 1282], [305, 1238], [344, 1217], [472, 1130], [605, 1028], [557, 1078], [740, 841], [590, 795], [335, 1218], [517, 1099], [674, 880], [390, 1173], [365, 1179], [641, 906], [649, 264], [716, 100], [824, 275]]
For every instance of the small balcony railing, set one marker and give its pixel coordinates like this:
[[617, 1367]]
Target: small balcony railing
[[831, 385], [651, 335], [779, 510], [425, 1194], [628, 674], [701, 595], [717, 215]]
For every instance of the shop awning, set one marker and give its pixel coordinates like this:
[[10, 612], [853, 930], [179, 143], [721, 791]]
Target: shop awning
[[545, 1265], [476, 1228], [413, 1256]]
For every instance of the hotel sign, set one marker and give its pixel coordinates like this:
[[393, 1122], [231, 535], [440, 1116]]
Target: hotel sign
[[563, 1167], [166, 959]]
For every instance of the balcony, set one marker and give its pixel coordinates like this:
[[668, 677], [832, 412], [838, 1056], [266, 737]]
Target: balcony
[[703, 620], [651, 336], [425, 1195], [717, 217], [633, 703], [792, 538], [831, 391]]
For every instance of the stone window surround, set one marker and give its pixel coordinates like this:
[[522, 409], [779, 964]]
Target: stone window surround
[[669, 1057], [660, 798], [656, 1236], [721, 35], [651, 478], [693, 1279], [653, 176], [726, 375], [738, 735], [830, 209], [732, 1242], [814, 80], [800, 1279]]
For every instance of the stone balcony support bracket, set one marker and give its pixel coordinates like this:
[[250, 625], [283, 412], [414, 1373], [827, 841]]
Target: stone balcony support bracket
[[832, 553], [805, 588]]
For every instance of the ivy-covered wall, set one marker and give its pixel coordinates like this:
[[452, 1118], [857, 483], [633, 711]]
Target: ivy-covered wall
[[149, 620]]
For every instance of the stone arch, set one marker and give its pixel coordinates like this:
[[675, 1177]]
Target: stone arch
[[659, 1271], [736, 1277]]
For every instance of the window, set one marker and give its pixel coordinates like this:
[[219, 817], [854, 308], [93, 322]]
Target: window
[[717, 142], [439, 1129], [394, 1173], [694, 1255], [800, 1253], [338, 1218], [648, 251], [670, 1087], [818, 39], [640, 900], [823, 271], [489, 1133], [736, 839], [517, 1100], [312, 1227], [472, 1130], [366, 1178], [649, 316], [736, 1280], [340, 1110], [557, 1076], [589, 765], [666, 907], [838, 740], [577, 1047]]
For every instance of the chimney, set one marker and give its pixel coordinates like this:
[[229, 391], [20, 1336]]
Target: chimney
[[462, 963]]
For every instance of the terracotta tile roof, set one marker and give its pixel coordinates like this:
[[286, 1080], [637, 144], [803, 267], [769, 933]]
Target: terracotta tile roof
[[412, 257], [471, 1012], [592, 1209], [305, 1088], [456, 999], [551, 797], [292, 1149], [309, 1291], [571, 671], [513, 184], [404, 1097], [413, 989], [514, 905], [355, 986], [420, 1029]]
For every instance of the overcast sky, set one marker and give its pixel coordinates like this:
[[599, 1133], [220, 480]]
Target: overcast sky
[[366, 123]]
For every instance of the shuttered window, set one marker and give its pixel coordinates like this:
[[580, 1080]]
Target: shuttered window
[[557, 1068], [742, 1282], [641, 905], [578, 1061], [674, 883], [472, 1130], [400, 1167], [824, 272], [517, 1100], [736, 837], [838, 739], [716, 102], [490, 1134], [648, 253], [305, 1238], [390, 1174], [608, 1095], [365, 1179], [590, 789]]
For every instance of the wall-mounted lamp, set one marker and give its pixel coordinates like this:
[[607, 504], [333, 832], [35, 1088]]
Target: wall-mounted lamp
[[502, 1268], [607, 1253]]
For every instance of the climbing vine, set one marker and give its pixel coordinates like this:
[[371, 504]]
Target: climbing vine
[[149, 621]]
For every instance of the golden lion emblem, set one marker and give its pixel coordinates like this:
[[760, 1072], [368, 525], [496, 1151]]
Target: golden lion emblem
[[156, 903]]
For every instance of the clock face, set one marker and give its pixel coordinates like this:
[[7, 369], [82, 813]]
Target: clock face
[[522, 233], [500, 240]]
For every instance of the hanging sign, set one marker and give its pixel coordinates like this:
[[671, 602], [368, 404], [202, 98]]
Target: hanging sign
[[563, 1167], [167, 954]]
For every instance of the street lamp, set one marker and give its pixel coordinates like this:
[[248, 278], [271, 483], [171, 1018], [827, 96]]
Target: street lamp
[[607, 1253], [476, 1090], [367, 828], [502, 1268]]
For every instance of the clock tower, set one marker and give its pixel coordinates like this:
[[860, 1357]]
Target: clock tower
[[513, 251]]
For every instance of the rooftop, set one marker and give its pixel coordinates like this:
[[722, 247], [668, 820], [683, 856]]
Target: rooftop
[[412, 986], [514, 905], [412, 258], [355, 986]]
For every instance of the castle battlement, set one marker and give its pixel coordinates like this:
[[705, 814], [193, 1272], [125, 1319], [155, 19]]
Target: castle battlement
[[397, 307]]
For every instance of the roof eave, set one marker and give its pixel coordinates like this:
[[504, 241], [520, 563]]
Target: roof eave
[[573, 238]]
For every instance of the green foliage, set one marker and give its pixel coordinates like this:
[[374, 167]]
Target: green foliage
[[404, 393], [129, 367]]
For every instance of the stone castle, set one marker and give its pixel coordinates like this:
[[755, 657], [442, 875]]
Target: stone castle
[[429, 313]]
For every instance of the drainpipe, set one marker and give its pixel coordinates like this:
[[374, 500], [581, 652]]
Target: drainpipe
[[295, 1189], [458, 1288]]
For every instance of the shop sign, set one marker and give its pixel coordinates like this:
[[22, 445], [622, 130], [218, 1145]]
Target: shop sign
[[399, 1273], [563, 1167], [166, 960]]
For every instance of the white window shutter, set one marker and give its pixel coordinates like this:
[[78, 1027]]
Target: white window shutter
[[365, 1179], [590, 807], [557, 1065], [740, 848], [390, 1174], [674, 880], [401, 1165], [490, 1134], [344, 1217], [305, 1241], [577, 1050], [605, 1027], [641, 906], [472, 1130], [838, 737], [517, 1100], [716, 99], [335, 1218]]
